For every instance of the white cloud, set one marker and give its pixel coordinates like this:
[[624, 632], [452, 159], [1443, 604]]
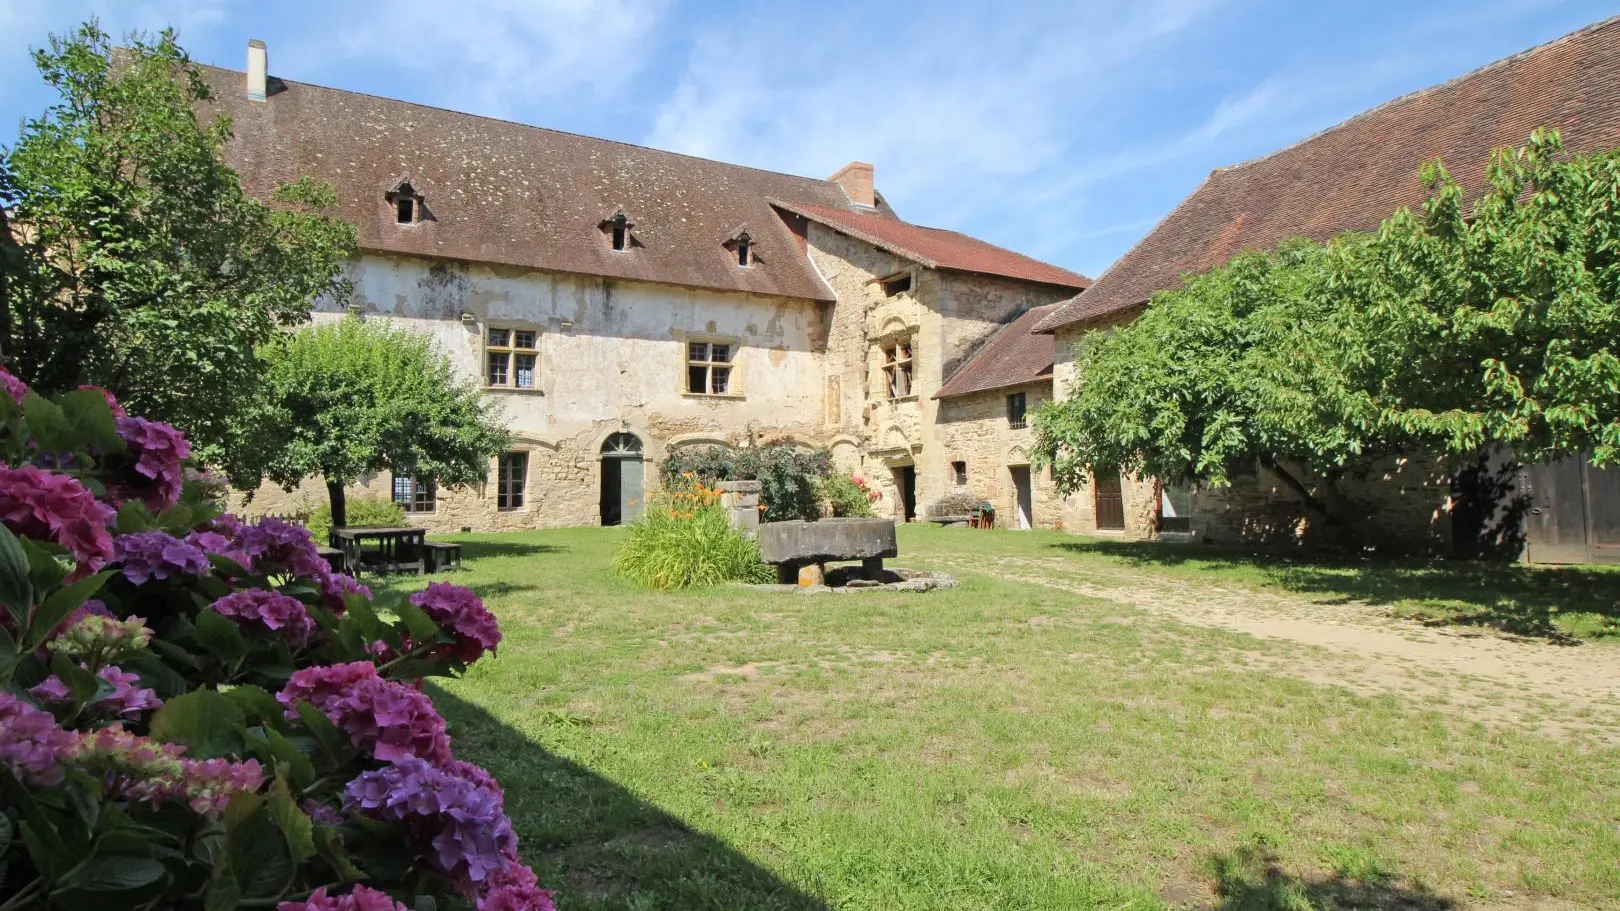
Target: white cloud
[[490, 56]]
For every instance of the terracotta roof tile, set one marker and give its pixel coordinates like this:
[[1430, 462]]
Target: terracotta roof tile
[[505, 193], [937, 248], [1013, 357], [1352, 176]]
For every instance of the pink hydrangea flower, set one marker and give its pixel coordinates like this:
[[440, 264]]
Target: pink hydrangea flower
[[456, 823], [159, 555], [14, 387], [141, 769], [159, 453], [388, 720], [514, 888], [363, 898], [462, 614], [273, 612], [336, 586], [117, 409], [31, 744], [127, 700], [276, 548], [54, 507]]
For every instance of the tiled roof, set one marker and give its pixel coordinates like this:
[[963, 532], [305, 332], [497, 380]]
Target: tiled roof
[[1013, 357], [1352, 176], [936, 248], [504, 193]]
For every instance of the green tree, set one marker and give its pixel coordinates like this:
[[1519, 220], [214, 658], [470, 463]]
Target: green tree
[[347, 399], [1218, 376], [1496, 323], [132, 258]]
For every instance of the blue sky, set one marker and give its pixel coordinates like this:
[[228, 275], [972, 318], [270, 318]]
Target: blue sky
[[1061, 129]]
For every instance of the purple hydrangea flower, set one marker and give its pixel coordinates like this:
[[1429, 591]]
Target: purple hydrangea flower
[[126, 700], [460, 613], [321, 813], [275, 547], [213, 542], [256, 609], [158, 474], [54, 507], [456, 823], [335, 586], [363, 898], [31, 743], [159, 555], [14, 387], [388, 720]]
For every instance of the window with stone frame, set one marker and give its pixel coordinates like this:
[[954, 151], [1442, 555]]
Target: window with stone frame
[[1017, 410], [897, 367], [511, 356], [708, 366], [511, 480], [415, 495]]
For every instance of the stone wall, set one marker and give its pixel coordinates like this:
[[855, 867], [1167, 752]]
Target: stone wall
[[611, 359], [1406, 504], [973, 429]]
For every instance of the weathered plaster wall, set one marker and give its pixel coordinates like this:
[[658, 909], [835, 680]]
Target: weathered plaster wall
[[974, 429], [611, 359]]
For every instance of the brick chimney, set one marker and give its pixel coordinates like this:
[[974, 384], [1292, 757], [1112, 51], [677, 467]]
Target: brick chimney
[[856, 179], [258, 66]]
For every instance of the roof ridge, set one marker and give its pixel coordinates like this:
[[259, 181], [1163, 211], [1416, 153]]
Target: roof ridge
[[1415, 94], [526, 126]]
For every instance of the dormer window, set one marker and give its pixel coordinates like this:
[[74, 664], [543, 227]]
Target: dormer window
[[617, 230], [408, 207], [745, 247]]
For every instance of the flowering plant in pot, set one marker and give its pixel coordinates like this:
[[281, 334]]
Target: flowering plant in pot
[[198, 713]]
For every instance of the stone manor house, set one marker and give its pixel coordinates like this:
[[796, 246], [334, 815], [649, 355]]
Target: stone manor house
[[621, 302]]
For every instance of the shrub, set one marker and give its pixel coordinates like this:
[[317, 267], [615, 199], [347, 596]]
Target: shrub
[[364, 512], [788, 475], [956, 503], [685, 539], [849, 497], [198, 713]]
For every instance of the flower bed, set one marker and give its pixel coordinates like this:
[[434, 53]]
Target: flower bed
[[198, 713]]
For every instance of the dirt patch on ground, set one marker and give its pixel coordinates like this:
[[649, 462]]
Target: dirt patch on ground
[[1563, 690]]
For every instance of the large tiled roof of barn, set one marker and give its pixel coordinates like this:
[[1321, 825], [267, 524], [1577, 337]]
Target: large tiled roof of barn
[[1352, 176], [1014, 356], [505, 193], [935, 247]]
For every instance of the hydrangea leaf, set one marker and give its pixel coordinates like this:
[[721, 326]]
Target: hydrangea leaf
[[207, 722]]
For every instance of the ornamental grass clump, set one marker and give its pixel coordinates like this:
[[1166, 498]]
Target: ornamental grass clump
[[197, 713], [685, 539]]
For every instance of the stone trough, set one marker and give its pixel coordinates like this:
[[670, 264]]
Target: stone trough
[[801, 551]]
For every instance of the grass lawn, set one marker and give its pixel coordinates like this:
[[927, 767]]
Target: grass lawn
[[1002, 746]]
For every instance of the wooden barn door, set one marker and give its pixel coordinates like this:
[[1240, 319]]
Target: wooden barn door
[[1110, 503], [1574, 513]]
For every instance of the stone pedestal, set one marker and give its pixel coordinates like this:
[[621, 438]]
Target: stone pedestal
[[795, 545], [741, 502]]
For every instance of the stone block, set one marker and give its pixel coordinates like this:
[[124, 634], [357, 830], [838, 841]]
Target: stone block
[[828, 540], [812, 575]]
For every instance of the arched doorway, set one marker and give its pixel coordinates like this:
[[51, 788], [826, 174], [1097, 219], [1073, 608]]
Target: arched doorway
[[623, 494]]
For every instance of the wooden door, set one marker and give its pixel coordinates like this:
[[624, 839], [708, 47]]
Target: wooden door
[[1109, 500], [1556, 527], [1602, 514], [1026, 506]]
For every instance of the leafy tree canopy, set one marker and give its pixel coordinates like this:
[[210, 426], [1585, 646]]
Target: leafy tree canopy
[[347, 399], [131, 258], [1448, 330]]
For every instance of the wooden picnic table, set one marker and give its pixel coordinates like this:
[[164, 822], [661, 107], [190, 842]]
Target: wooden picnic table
[[398, 549]]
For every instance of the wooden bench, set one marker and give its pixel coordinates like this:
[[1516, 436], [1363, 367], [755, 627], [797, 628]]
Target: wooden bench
[[334, 558], [440, 556]]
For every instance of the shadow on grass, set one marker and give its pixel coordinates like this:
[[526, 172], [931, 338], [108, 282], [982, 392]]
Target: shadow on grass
[[599, 845], [1249, 879], [476, 548], [1514, 598]]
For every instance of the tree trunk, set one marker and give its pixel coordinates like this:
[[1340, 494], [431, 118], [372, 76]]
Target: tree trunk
[[340, 506], [1329, 507]]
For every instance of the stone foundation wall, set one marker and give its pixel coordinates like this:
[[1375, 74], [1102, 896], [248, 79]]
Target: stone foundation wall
[[1405, 505]]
